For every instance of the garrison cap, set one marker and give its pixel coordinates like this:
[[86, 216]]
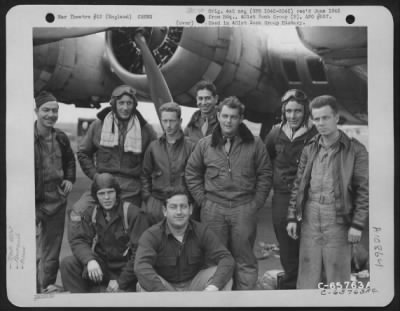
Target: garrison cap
[[44, 97]]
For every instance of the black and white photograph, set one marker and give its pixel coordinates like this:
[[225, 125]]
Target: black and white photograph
[[244, 150]]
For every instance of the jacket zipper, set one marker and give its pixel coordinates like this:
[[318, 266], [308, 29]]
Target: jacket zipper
[[169, 159], [229, 165], [228, 158]]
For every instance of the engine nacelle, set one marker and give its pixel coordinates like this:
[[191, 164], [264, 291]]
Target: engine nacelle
[[74, 70], [235, 59]]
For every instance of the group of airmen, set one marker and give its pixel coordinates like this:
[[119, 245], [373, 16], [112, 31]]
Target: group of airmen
[[179, 212]]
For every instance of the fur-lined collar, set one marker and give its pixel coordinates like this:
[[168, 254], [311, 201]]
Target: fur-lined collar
[[243, 132]]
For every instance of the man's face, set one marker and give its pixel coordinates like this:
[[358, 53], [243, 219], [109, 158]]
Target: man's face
[[170, 122], [325, 120], [178, 211], [294, 113], [107, 198], [124, 107], [47, 114], [229, 120], [206, 101]]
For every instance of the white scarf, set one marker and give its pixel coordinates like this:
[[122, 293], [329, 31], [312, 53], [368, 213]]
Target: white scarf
[[133, 139], [300, 131]]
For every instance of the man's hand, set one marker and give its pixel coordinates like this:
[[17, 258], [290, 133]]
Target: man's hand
[[211, 288], [66, 187], [354, 235], [292, 230], [94, 271], [113, 286]]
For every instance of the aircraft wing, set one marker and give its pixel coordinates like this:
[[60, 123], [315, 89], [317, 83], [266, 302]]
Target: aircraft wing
[[42, 35]]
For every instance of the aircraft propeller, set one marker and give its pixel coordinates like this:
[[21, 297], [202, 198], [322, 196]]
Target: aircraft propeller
[[140, 39], [159, 91]]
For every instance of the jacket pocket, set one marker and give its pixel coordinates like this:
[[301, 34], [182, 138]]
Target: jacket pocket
[[212, 172], [195, 260], [131, 160], [54, 201], [103, 157], [58, 163], [279, 148], [213, 180], [247, 178], [157, 179], [58, 153], [166, 261]]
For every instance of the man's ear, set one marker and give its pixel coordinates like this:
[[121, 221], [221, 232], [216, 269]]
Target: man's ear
[[337, 117], [164, 208]]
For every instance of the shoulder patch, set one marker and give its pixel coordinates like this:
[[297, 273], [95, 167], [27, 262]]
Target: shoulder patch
[[81, 207], [78, 213]]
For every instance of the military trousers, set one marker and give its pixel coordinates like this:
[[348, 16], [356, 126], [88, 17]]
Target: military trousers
[[237, 229], [202, 279], [75, 278], [324, 247], [49, 236], [289, 248]]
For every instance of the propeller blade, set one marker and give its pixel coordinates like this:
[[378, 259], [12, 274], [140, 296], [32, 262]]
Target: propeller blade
[[159, 91]]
